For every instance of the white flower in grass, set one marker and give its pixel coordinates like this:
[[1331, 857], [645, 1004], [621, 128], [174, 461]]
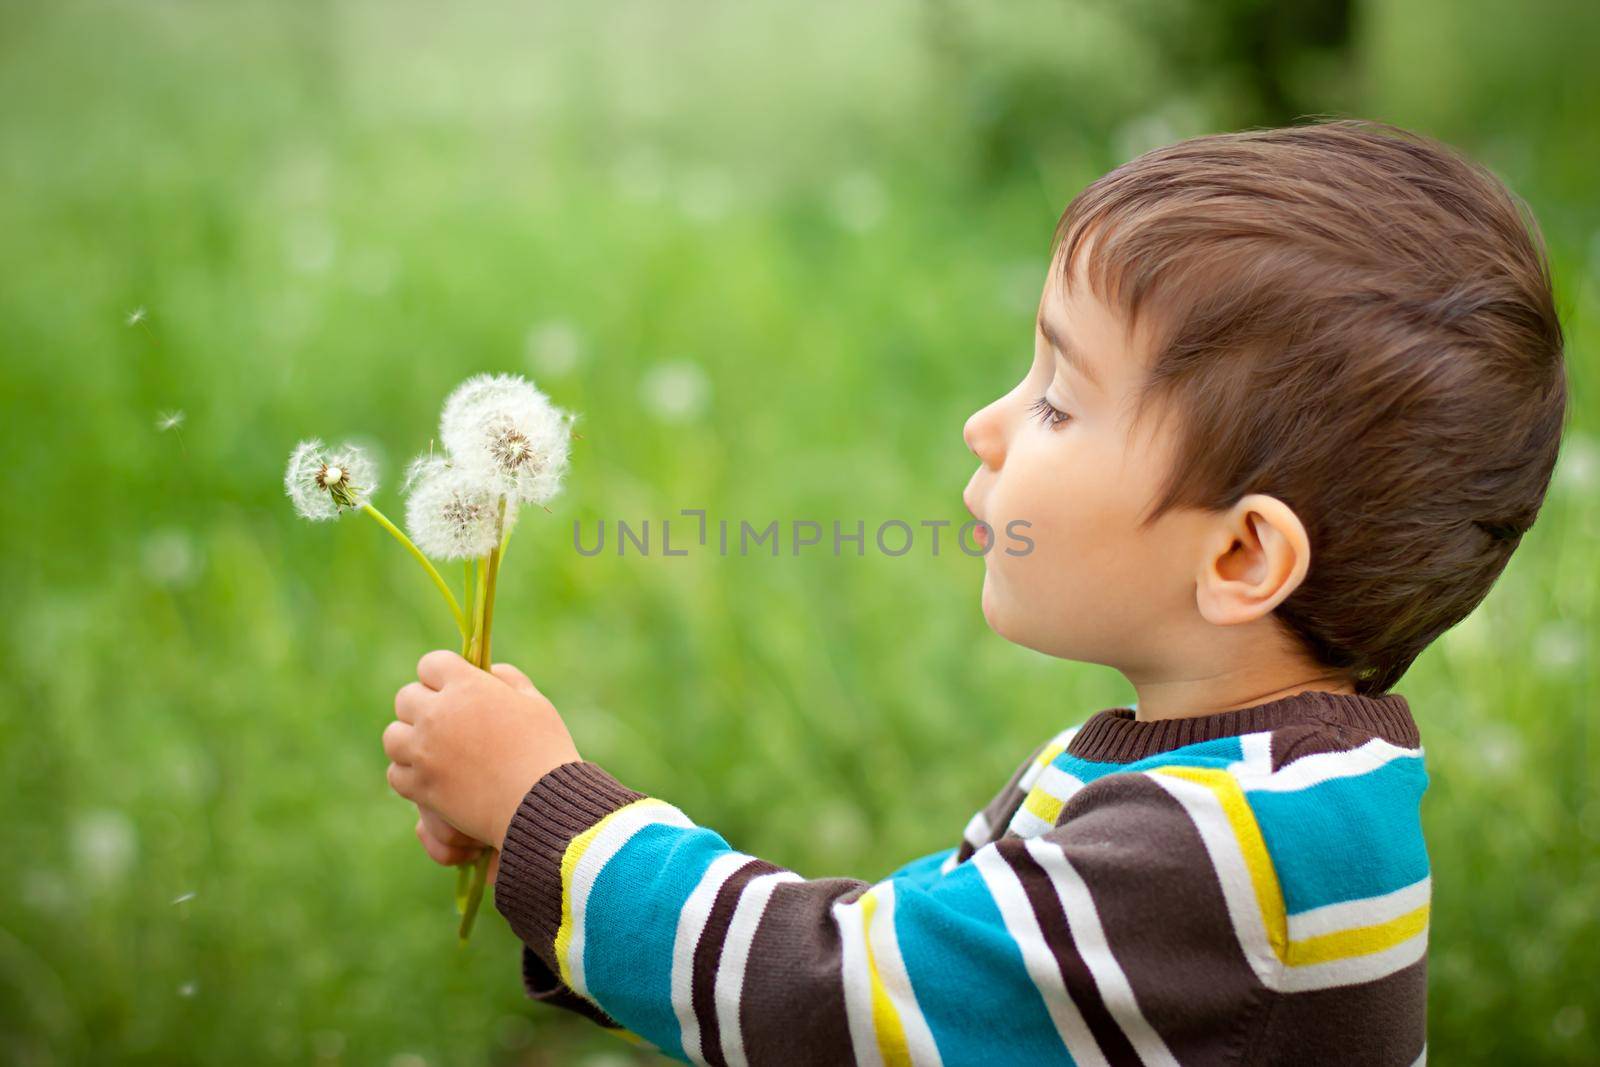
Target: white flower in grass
[[450, 512], [323, 481], [503, 431]]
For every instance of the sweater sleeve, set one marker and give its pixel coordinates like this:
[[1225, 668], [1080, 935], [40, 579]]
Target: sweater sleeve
[[1105, 939]]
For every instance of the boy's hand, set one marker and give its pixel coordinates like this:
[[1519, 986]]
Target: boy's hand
[[469, 745], [448, 846]]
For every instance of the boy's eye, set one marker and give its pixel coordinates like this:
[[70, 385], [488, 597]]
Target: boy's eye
[[1048, 413]]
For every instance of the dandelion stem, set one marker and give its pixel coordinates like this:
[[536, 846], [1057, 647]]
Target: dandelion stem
[[450, 598], [489, 573], [488, 598], [480, 876]]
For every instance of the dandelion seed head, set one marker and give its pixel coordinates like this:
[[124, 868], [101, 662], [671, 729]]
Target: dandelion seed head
[[323, 481], [169, 420], [503, 431], [451, 514]]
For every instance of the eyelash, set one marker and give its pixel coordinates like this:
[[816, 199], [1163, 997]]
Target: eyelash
[[1048, 413]]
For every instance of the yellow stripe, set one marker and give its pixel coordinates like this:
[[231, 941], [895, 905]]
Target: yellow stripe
[[1269, 896], [1359, 941], [885, 1020], [569, 863], [1051, 751], [1043, 804]]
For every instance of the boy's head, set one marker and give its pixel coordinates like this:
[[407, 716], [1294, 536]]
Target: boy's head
[[1295, 393]]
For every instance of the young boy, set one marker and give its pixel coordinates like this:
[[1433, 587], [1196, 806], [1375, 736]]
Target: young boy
[[1294, 397]]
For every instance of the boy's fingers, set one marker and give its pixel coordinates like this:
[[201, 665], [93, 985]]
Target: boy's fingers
[[441, 831], [439, 852], [514, 678], [397, 741], [403, 780], [408, 700], [439, 666]]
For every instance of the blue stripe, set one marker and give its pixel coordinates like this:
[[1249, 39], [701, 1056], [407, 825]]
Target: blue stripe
[[1347, 838], [968, 976], [632, 921], [922, 871]]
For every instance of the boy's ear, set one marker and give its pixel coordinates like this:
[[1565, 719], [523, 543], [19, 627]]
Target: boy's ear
[[1256, 554]]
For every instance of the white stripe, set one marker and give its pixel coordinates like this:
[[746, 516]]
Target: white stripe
[[729, 988], [691, 924], [897, 983], [1257, 748], [949, 863], [977, 831], [1023, 926], [857, 982], [1239, 893], [1058, 783], [1422, 1057], [1026, 824], [1351, 914], [1322, 767], [1355, 969], [602, 849], [1083, 919], [1062, 739]]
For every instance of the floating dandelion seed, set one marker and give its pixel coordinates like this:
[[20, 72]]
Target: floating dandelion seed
[[169, 420], [324, 481], [184, 898], [503, 431], [136, 316], [451, 514]]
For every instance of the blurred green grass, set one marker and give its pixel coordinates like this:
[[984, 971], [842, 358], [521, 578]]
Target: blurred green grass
[[774, 258]]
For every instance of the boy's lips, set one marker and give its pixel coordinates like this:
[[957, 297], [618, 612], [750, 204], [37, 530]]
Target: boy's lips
[[980, 533]]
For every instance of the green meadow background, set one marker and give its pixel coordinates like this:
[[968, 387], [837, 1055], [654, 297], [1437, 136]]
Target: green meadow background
[[775, 255]]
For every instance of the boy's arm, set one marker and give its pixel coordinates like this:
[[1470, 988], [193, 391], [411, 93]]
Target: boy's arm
[[544, 985], [1106, 939]]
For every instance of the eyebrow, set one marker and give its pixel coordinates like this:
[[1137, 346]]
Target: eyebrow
[[1074, 357]]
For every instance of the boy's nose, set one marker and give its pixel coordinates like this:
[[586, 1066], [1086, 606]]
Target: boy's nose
[[983, 435]]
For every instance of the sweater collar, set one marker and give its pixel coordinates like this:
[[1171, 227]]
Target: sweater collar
[[1115, 736]]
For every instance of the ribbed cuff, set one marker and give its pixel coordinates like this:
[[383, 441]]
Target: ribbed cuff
[[560, 806], [544, 986]]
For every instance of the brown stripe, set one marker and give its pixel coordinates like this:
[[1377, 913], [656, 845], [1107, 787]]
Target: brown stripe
[[1293, 742], [792, 1009], [1380, 1022], [1081, 986], [1164, 916], [708, 954]]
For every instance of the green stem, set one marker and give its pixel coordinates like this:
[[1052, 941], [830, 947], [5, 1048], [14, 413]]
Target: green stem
[[480, 877], [488, 598], [450, 598], [490, 574]]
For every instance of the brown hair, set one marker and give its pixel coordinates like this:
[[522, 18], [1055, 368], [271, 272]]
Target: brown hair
[[1357, 321]]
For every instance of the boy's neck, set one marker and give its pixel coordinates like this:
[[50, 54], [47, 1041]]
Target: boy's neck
[[1178, 697]]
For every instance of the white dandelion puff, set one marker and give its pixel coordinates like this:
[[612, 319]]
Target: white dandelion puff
[[451, 514], [169, 420], [323, 481], [503, 431]]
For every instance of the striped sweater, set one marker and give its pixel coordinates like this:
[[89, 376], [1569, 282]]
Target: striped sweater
[[1242, 888]]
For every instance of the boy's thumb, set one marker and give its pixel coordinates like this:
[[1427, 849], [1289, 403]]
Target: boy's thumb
[[514, 678]]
